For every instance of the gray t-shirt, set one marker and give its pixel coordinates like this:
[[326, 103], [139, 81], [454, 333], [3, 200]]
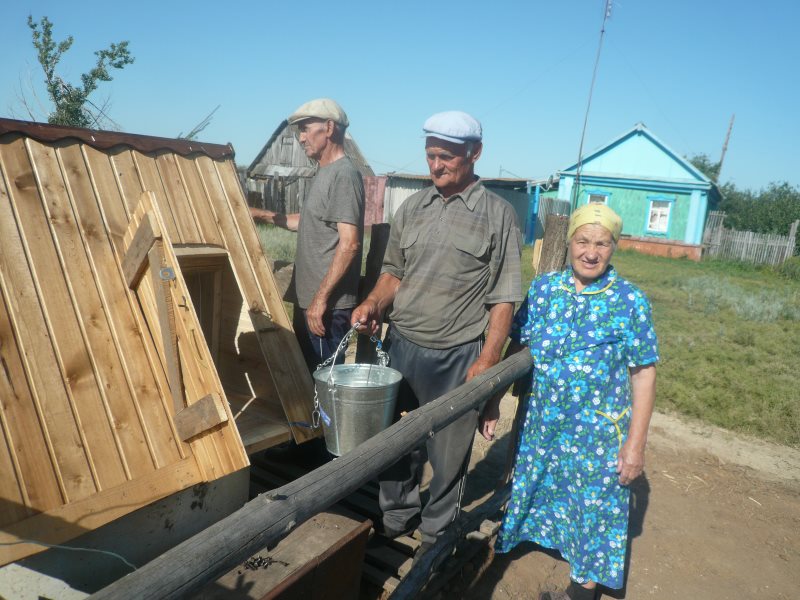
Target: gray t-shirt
[[336, 195], [454, 258]]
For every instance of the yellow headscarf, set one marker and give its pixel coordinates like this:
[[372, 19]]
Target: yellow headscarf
[[595, 213]]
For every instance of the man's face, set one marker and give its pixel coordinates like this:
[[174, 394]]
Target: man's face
[[313, 136], [450, 167]]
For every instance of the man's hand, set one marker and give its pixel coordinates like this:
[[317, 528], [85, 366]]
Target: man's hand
[[368, 315], [479, 366], [314, 314]]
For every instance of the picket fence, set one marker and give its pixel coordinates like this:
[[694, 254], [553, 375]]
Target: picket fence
[[746, 246]]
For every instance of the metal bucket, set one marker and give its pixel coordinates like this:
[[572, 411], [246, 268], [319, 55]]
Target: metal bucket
[[356, 402]]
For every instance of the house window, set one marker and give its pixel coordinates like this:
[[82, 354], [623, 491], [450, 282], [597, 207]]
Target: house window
[[597, 198], [658, 219]]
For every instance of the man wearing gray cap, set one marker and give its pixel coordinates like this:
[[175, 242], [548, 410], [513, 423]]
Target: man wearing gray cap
[[451, 273], [330, 230]]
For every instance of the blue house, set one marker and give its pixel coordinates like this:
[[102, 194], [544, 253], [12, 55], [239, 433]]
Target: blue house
[[663, 200]]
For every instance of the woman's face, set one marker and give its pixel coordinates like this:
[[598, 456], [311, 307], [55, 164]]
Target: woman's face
[[590, 250]]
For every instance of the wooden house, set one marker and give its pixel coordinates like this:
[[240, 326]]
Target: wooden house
[[277, 178], [144, 347], [662, 198]]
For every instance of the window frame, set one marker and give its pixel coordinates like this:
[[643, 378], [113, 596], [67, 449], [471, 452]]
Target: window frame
[[651, 205]]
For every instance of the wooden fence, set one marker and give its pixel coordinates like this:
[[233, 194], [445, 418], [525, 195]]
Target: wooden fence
[[748, 246]]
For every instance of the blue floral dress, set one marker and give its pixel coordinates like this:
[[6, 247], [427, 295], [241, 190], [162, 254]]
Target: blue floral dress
[[566, 493]]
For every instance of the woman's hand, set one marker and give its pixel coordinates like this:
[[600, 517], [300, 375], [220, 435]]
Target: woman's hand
[[489, 417], [630, 462]]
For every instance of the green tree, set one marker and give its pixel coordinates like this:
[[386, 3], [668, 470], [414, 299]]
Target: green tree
[[70, 100], [705, 165], [770, 210]]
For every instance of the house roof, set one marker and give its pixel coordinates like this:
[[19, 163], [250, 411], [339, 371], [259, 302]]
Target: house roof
[[103, 140], [266, 164], [640, 162]]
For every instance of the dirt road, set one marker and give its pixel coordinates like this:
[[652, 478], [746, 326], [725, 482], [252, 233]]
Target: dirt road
[[715, 517]]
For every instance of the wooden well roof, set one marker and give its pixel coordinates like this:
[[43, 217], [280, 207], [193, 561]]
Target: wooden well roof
[[98, 384]]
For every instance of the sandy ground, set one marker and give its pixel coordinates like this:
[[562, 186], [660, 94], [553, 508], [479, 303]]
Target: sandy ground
[[715, 516]]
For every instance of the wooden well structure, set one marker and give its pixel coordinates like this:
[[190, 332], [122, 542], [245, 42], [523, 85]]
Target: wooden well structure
[[143, 345]]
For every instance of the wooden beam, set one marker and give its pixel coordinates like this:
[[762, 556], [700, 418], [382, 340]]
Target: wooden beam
[[554, 245], [271, 516], [201, 416], [135, 261], [162, 277], [379, 239]]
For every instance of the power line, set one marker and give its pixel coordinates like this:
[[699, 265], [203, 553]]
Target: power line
[[606, 16]]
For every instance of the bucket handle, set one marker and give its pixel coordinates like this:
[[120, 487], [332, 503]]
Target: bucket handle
[[383, 360]]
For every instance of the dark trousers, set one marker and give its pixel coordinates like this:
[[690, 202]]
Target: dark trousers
[[428, 374], [317, 350]]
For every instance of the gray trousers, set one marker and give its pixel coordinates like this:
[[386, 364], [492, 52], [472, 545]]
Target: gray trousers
[[428, 374]]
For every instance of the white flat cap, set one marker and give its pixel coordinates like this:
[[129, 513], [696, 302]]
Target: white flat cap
[[453, 126], [321, 108]]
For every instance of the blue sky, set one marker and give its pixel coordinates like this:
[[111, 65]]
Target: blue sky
[[522, 68]]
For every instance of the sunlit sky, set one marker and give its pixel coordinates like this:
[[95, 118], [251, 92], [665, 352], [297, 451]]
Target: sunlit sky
[[522, 68]]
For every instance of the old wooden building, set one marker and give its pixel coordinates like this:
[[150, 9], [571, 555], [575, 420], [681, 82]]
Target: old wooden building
[[277, 178], [144, 347]]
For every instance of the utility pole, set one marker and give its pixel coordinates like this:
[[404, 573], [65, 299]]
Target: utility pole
[[725, 147]]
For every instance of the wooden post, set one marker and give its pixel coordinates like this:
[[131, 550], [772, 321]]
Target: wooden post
[[379, 239], [268, 518], [554, 246]]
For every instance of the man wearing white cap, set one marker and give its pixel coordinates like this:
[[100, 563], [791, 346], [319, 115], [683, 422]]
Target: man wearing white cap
[[330, 230], [451, 273]]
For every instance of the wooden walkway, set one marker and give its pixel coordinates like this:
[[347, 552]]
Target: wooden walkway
[[385, 564]]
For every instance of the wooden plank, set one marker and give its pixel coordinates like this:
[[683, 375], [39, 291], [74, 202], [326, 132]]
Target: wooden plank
[[139, 401], [286, 365], [113, 212], [390, 559], [199, 200], [31, 456], [69, 521], [36, 345], [194, 256], [177, 197], [161, 277], [14, 505], [201, 416], [321, 559], [379, 239], [261, 423], [151, 180], [379, 577], [78, 322], [129, 183], [136, 258]]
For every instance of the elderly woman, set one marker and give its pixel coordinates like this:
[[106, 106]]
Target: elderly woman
[[583, 438]]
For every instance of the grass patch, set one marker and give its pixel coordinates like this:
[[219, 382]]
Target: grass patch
[[728, 338]]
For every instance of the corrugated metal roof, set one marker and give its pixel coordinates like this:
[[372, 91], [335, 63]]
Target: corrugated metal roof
[[103, 140]]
